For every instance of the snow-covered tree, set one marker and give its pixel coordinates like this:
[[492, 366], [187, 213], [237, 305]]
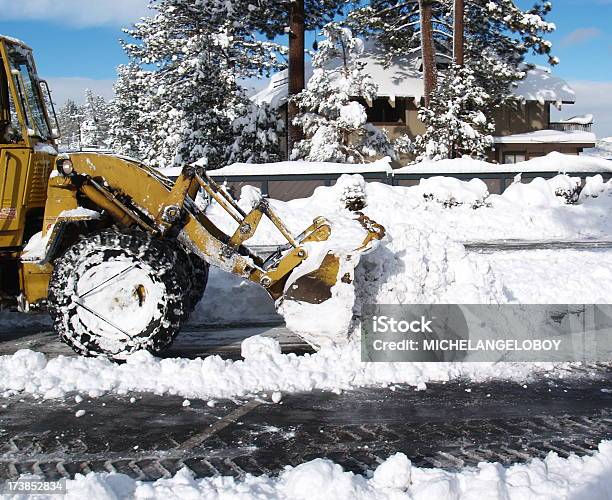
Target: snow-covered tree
[[69, 116], [95, 124], [129, 133], [257, 131], [334, 123], [456, 126], [270, 17], [198, 51], [498, 36]]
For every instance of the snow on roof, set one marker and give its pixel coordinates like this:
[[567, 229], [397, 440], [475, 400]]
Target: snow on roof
[[549, 136], [541, 85], [292, 167], [579, 120], [403, 78], [553, 162]]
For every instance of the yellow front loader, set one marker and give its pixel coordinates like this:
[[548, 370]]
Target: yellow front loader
[[116, 252]]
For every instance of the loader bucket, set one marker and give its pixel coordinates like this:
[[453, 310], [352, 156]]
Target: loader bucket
[[315, 286]]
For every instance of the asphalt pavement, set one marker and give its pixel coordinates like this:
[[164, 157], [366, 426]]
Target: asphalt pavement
[[448, 425]]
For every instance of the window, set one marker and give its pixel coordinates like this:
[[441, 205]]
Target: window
[[10, 129], [381, 110], [536, 155], [28, 91], [511, 158]]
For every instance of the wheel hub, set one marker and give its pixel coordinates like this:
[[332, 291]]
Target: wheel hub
[[118, 298]]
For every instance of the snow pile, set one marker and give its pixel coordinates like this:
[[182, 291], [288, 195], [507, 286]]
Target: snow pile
[[264, 369], [553, 478], [450, 191], [541, 193], [422, 258], [595, 186]]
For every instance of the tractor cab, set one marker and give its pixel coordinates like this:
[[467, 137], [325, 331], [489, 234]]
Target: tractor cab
[[24, 98], [27, 157], [28, 128]]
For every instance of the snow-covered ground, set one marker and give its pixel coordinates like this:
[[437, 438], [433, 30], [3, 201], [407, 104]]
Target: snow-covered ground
[[602, 149], [421, 260], [554, 478]]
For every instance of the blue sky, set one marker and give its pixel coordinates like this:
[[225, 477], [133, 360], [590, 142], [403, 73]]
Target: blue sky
[[76, 45]]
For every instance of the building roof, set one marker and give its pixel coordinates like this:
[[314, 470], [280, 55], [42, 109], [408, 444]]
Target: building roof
[[548, 137], [403, 78], [541, 85]]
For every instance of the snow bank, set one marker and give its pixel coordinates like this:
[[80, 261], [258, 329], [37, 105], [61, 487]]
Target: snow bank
[[422, 259], [553, 478], [264, 369]]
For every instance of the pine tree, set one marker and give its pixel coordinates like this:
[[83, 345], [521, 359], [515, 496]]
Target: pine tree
[[198, 51], [129, 134], [334, 125], [69, 117], [270, 17], [498, 36], [257, 130], [455, 124], [94, 126]]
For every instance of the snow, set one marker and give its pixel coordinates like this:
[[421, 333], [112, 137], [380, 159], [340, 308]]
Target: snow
[[553, 162], [402, 78], [579, 120], [549, 136], [553, 478], [292, 168], [41, 147], [421, 260], [603, 149], [36, 248], [332, 368], [542, 86]]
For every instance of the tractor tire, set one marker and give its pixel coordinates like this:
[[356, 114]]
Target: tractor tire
[[198, 279], [196, 272], [112, 294]]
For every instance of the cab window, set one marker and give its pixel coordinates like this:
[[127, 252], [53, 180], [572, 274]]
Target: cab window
[[10, 129], [28, 91]]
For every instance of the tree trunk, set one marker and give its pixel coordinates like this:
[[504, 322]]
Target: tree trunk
[[427, 50], [296, 68], [458, 32]]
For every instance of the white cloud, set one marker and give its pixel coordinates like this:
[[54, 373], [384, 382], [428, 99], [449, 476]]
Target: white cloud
[[591, 97], [78, 13], [64, 88], [580, 35]]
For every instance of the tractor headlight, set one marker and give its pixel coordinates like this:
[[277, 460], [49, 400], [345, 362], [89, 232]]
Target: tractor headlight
[[65, 166]]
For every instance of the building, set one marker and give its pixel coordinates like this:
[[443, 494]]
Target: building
[[522, 132]]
